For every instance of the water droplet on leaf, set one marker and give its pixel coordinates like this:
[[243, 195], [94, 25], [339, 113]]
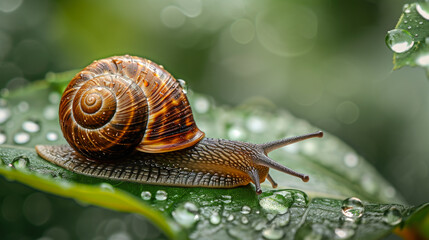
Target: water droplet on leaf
[[107, 187], [21, 138], [399, 40], [245, 210], [146, 195], [52, 136], [186, 215], [275, 203], [244, 220], [352, 208], [3, 137], [392, 216], [423, 9], [215, 218], [272, 233], [31, 126], [20, 162], [344, 233], [161, 195]]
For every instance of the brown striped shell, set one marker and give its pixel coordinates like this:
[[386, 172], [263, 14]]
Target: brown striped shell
[[122, 103]]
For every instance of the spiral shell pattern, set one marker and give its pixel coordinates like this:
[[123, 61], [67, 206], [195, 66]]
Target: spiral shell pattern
[[119, 104]]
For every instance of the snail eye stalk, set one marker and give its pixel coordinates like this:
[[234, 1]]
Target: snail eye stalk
[[264, 160]]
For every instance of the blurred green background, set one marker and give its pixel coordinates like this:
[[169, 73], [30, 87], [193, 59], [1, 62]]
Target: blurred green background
[[324, 61]]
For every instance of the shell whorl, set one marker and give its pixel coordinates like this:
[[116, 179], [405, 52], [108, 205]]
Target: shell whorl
[[119, 104]]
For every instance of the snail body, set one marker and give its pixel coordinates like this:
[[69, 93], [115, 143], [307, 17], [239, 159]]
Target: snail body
[[126, 118]]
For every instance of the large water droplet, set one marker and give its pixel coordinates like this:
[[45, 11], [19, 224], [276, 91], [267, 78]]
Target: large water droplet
[[3, 137], [146, 195], [20, 162], [275, 203], [392, 216], [31, 126], [272, 233], [215, 218], [352, 208], [21, 138], [52, 136], [423, 9], [399, 40], [245, 210], [161, 195], [183, 85], [186, 215], [4, 114], [344, 233]]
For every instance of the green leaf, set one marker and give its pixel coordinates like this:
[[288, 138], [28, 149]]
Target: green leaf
[[415, 23], [336, 171]]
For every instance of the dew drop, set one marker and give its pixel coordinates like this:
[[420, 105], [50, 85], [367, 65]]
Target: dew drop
[[272, 233], [409, 27], [407, 11], [275, 204], [3, 137], [236, 133], [245, 209], [423, 9], [201, 105], [352, 208], [161, 195], [399, 40], [21, 138], [54, 97], [281, 220], [31, 126], [50, 112], [20, 162], [226, 199], [244, 220], [215, 218], [259, 224], [107, 187], [146, 195], [186, 215], [52, 136], [4, 114], [423, 60], [183, 85], [344, 232], [351, 160], [255, 124], [23, 106], [392, 216], [230, 218]]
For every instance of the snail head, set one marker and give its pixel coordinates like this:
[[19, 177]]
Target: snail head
[[262, 159]]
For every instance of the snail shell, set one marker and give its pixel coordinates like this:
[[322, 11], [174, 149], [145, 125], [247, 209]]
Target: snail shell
[[122, 103], [126, 118]]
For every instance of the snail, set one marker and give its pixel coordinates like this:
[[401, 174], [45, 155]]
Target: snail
[[126, 118]]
